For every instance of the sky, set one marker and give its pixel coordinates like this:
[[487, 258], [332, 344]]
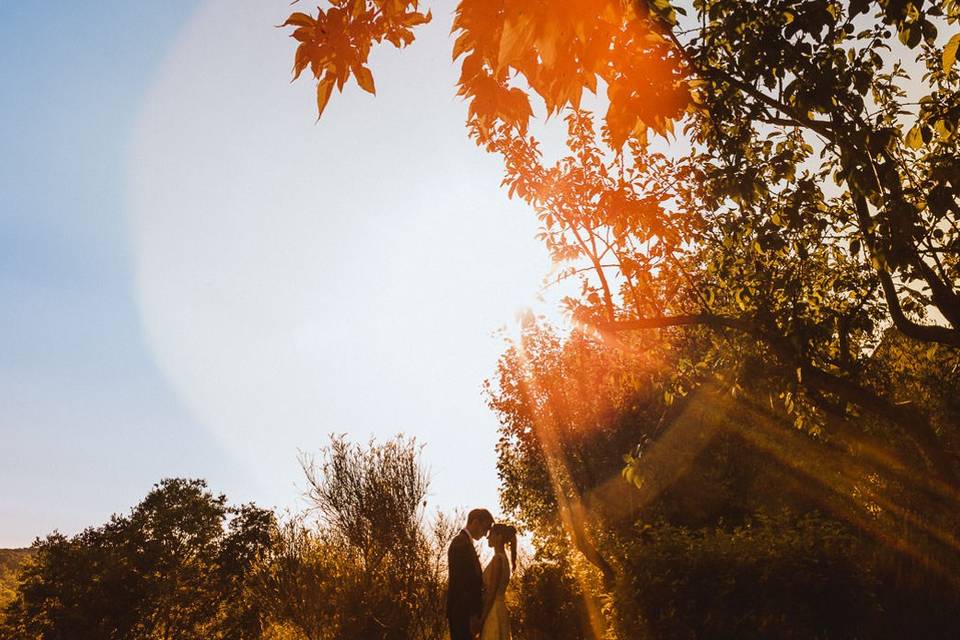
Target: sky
[[199, 280]]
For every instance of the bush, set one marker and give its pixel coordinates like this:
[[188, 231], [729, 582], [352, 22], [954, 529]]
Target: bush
[[548, 604], [779, 576]]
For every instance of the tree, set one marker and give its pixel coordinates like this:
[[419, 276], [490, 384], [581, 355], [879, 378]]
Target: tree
[[736, 75], [373, 567], [769, 192], [10, 560], [727, 521], [298, 582], [737, 236], [176, 567]]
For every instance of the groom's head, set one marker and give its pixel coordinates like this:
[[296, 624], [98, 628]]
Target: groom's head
[[479, 522]]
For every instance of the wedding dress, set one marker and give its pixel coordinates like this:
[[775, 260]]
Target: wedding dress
[[497, 624]]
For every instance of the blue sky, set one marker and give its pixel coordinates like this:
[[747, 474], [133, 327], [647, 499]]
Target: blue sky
[[86, 423], [197, 280]]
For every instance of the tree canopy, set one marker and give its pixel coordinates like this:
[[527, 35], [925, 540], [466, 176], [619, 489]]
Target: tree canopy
[[175, 567], [761, 206], [363, 561], [805, 199]]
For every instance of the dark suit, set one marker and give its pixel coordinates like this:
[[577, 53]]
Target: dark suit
[[464, 586]]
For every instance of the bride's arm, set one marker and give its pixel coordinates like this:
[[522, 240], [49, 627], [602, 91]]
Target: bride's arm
[[490, 586]]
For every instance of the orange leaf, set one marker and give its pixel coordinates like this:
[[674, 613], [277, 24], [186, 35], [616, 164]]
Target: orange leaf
[[365, 79], [359, 8], [324, 88], [548, 42], [301, 60], [515, 41], [413, 19], [299, 19], [463, 42]]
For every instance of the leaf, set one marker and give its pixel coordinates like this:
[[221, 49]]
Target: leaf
[[299, 19], [359, 8], [365, 79], [743, 297], [414, 19], [910, 34], [940, 126], [462, 44], [515, 40], [301, 60], [914, 139], [950, 53], [324, 88]]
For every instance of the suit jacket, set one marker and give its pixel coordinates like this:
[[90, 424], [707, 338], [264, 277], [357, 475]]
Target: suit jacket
[[465, 579]]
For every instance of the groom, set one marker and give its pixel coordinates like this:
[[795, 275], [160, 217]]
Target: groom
[[465, 580]]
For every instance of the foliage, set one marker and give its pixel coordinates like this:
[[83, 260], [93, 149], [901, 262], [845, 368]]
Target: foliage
[[10, 560], [336, 43], [175, 567], [548, 604], [739, 233], [297, 583], [184, 564], [374, 567], [852, 540], [775, 577], [802, 199]]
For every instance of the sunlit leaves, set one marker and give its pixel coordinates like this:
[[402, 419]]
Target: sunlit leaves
[[914, 137], [778, 99], [336, 43], [557, 51], [949, 56]]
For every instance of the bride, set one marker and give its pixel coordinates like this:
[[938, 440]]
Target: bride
[[496, 575]]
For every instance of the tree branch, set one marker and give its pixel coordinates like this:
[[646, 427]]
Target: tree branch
[[913, 425], [661, 322], [909, 328]]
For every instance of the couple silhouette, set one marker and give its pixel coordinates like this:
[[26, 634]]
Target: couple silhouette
[[475, 595]]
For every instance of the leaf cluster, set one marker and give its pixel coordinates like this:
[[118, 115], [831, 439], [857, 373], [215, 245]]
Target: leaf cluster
[[335, 44]]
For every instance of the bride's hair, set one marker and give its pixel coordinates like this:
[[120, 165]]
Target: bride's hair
[[509, 535]]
